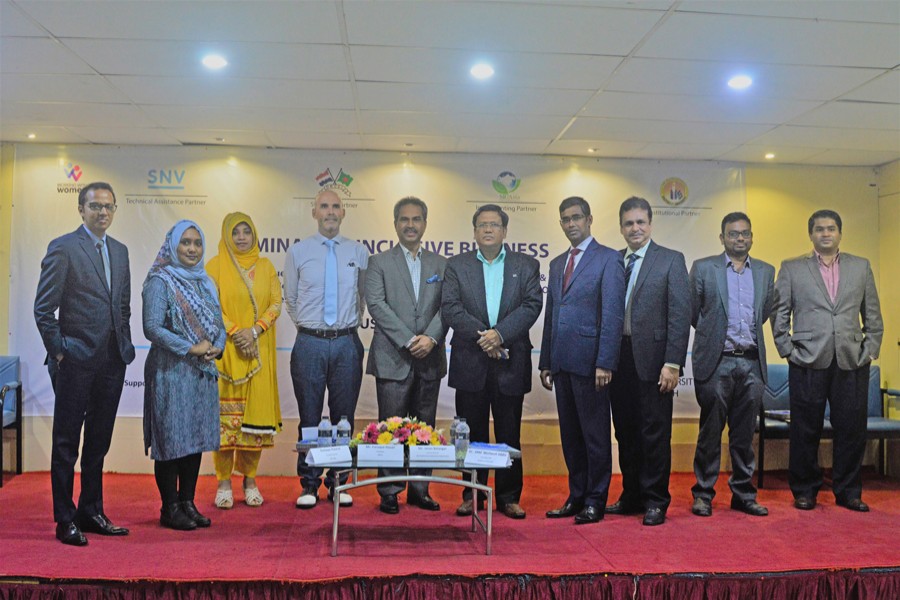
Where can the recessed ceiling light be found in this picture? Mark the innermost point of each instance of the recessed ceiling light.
(408, 144)
(740, 82)
(214, 61)
(220, 139)
(31, 136)
(482, 71)
(592, 150)
(770, 155)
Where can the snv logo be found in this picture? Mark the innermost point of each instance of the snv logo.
(165, 179)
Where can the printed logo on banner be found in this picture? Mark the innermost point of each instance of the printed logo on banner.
(73, 173)
(165, 179)
(673, 191)
(341, 182)
(506, 183)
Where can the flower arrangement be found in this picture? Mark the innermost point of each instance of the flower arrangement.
(400, 430)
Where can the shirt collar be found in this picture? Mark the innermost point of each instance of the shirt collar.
(322, 239)
(95, 239)
(728, 261)
(583, 246)
(641, 252)
(837, 258)
(500, 257)
(409, 254)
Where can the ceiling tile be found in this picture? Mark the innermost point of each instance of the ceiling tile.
(683, 151)
(324, 141)
(14, 23)
(884, 89)
(631, 130)
(871, 11)
(757, 154)
(231, 137)
(463, 125)
(499, 145)
(850, 114)
(602, 148)
(59, 88)
(38, 55)
(420, 143)
(852, 157)
(832, 138)
(73, 114)
(127, 136)
(10, 132)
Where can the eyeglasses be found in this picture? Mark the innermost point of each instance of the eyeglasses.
(573, 219)
(489, 225)
(97, 207)
(733, 235)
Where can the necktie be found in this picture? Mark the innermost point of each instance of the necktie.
(331, 284)
(629, 270)
(570, 266)
(104, 263)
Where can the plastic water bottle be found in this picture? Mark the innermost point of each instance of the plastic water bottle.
(343, 432)
(453, 427)
(462, 439)
(324, 432)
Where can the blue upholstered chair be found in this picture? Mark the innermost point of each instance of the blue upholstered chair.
(11, 405)
(776, 397)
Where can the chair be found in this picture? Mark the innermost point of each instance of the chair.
(11, 406)
(776, 397)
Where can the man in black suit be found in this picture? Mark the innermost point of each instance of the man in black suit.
(654, 347)
(86, 277)
(491, 298)
(732, 297)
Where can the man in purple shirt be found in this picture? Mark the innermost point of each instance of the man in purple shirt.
(732, 298)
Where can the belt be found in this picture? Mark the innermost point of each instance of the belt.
(751, 353)
(328, 334)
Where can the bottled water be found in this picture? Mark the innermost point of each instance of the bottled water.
(343, 432)
(462, 439)
(324, 432)
(453, 427)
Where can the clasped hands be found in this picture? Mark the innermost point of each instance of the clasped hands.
(491, 343)
(243, 340)
(205, 350)
(420, 346)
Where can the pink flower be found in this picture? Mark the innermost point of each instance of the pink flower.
(423, 436)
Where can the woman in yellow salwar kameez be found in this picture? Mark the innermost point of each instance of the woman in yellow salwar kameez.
(250, 413)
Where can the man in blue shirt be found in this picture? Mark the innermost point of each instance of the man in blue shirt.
(324, 277)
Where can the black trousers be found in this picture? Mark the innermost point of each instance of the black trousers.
(177, 479)
(87, 396)
(477, 408)
(847, 394)
(642, 417)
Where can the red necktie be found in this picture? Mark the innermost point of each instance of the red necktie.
(570, 266)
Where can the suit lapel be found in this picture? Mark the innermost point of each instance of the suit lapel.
(812, 263)
(475, 278)
(583, 264)
(650, 257)
(87, 245)
(759, 293)
(510, 279)
(722, 281)
(403, 271)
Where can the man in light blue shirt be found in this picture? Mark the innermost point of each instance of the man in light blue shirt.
(324, 277)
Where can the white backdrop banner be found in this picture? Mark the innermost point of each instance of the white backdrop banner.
(156, 186)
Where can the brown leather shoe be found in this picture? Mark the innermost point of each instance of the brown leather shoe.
(465, 509)
(513, 511)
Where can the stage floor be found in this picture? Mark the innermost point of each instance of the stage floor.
(277, 542)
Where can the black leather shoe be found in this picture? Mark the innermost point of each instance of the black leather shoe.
(702, 507)
(654, 516)
(70, 535)
(589, 514)
(173, 517)
(569, 509)
(99, 524)
(804, 503)
(190, 509)
(389, 504)
(751, 507)
(855, 504)
(426, 502)
(621, 508)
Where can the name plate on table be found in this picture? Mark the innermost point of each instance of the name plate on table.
(333, 455)
(432, 454)
(377, 455)
(480, 457)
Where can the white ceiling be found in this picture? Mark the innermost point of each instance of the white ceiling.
(641, 79)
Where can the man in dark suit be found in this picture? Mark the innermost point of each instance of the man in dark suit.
(579, 352)
(653, 350)
(86, 277)
(407, 357)
(828, 324)
(491, 298)
(732, 297)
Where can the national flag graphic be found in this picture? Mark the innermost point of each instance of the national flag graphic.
(344, 178)
(324, 178)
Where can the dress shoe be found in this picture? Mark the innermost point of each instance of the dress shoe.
(654, 516)
(346, 499)
(467, 507)
(855, 504)
(69, 534)
(389, 504)
(99, 524)
(804, 503)
(308, 498)
(190, 509)
(589, 514)
(751, 507)
(569, 509)
(426, 502)
(513, 511)
(622, 508)
(173, 517)
(702, 507)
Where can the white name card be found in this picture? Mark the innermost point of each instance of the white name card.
(479, 457)
(377, 455)
(332, 455)
(432, 454)
(310, 434)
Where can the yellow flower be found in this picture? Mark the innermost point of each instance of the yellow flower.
(411, 440)
(385, 438)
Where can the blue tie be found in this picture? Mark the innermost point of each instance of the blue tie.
(105, 264)
(331, 284)
(629, 270)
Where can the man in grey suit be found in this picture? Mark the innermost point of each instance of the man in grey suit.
(828, 325)
(491, 298)
(407, 357)
(86, 278)
(732, 299)
(653, 350)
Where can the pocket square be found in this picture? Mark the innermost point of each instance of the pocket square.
(433, 279)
